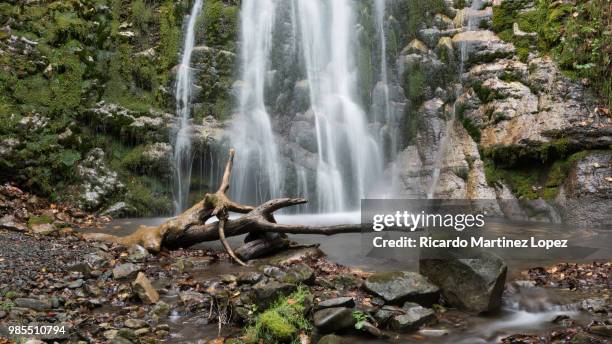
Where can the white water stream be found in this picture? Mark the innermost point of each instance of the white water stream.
(183, 156)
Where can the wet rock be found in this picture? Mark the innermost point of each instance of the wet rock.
(34, 304)
(125, 271)
(144, 289)
(414, 317)
(135, 323)
(81, 267)
(386, 312)
(142, 331)
(332, 339)
(482, 45)
(348, 302)
(594, 305)
(299, 273)
(274, 272)
(334, 319)
(9, 222)
(267, 292)
(601, 330)
(400, 286)
(191, 297)
(228, 278)
(76, 284)
(474, 285)
(161, 309)
(249, 277)
(124, 336)
(585, 195)
(293, 256)
(43, 229)
(137, 254)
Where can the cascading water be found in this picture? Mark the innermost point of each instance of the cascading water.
(444, 143)
(349, 159)
(382, 89)
(183, 156)
(258, 174)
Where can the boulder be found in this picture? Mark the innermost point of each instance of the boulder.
(334, 319)
(474, 285)
(400, 286)
(144, 289)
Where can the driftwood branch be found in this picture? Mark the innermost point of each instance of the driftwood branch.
(190, 227)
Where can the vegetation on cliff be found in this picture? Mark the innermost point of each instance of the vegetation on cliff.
(576, 34)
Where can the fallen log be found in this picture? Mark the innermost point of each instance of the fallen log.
(190, 227)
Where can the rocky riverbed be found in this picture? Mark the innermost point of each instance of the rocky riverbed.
(116, 294)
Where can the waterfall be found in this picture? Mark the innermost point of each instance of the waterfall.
(258, 174)
(183, 156)
(312, 43)
(349, 159)
(444, 143)
(391, 126)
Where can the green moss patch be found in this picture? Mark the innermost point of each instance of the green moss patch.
(283, 322)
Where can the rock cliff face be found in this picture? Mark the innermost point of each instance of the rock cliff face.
(520, 132)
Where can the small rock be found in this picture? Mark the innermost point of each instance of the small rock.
(189, 296)
(2, 314)
(144, 289)
(161, 309)
(33, 341)
(43, 228)
(414, 317)
(110, 334)
(126, 270)
(266, 293)
(135, 323)
(337, 302)
(81, 267)
(274, 272)
(299, 273)
(249, 277)
(76, 284)
(402, 286)
(387, 312)
(594, 305)
(34, 304)
(8, 222)
(334, 319)
(228, 278)
(137, 254)
(141, 331)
